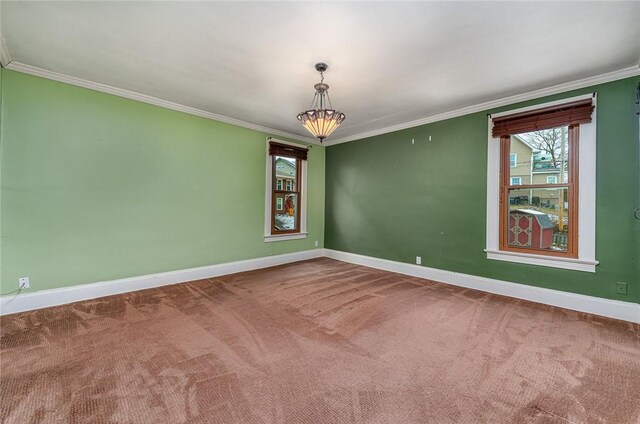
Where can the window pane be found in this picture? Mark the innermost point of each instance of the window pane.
(540, 155)
(285, 218)
(539, 219)
(286, 173)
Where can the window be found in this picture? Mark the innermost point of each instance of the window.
(535, 220)
(285, 216)
(513, 160)
(286, 219)
(538, 218)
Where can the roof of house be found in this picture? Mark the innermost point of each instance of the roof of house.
(523, 141)
(541, 217)
(290, 164)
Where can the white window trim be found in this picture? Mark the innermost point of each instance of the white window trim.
(513, 178)
(586, 260)
(280, 203)
(515, 160)
(268, 237)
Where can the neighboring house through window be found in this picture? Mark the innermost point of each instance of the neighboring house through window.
(285, 197)
(532, 217)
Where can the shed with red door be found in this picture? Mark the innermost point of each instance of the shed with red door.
(530, 229)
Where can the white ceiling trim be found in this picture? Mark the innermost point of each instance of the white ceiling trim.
(556, 89)
(44, 73)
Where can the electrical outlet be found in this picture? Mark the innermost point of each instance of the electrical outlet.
(23, 282)
(621, 288)
(316, 243)
(418, 260)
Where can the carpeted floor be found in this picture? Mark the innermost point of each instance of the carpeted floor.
(319, 341)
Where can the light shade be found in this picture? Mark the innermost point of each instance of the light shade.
(321, 122)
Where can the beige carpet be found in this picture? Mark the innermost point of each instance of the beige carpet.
(319, 341)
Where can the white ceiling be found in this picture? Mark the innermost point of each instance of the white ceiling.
(390, 62)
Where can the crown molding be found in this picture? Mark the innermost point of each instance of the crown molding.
(556, 89)
(55, 76)
(5, 57)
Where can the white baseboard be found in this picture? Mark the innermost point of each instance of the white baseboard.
(625, 311)
(54, 297)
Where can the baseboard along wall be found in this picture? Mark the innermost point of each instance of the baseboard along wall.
(61, 296)
(625, 311)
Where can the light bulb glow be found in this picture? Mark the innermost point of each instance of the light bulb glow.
(321, 122)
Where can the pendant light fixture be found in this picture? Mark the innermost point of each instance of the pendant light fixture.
(321, 120)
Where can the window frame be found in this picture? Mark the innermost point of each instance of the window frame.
(515, 160)
(506, 184)
(301, 219)
(292, 190)
(585, 259)
(514, 184)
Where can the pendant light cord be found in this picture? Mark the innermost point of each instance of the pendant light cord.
(329, 99)
(314, 102)
(318, 101)
(322, 93)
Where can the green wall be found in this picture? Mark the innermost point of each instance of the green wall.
(392, 199)
(1, 235)
(97, 187)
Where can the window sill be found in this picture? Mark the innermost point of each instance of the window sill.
(283, 237)
(549, 261)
